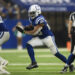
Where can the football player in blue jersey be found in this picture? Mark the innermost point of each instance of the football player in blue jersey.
(4, 36)
(39, 28)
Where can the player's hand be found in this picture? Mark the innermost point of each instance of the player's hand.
(69, 35)
(20, 28)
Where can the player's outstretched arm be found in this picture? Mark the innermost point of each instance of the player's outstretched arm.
(23, 29)
(30, 29)
(34, 30)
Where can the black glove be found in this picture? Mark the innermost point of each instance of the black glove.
(19, 29)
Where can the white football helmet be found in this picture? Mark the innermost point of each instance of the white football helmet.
(34, 11)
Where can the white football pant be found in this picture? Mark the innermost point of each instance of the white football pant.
(4, 37)
(48, 41)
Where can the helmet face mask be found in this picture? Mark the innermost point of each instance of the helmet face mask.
(32, 15)
(34, 11)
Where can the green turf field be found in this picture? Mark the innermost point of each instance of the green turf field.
(48, 64)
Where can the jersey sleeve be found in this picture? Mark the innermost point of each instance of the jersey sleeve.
(40, 20)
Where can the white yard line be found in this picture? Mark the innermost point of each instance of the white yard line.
(36, 50)
(41, 56)
(44, 64)
(20, 64)
(36, 71)
(23, 67)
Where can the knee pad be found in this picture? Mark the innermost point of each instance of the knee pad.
(53, 50)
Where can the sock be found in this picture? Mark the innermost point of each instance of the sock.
(61, 57)
(31, 53)
(70, 59)
(66, 65)
(20, 47)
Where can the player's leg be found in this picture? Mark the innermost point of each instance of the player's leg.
(70, 58)
(50, 43)
(69, 64)
(72, 55)
(19, 40)
(31, 53)
(3, 38)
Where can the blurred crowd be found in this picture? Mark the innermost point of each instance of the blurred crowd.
(58, 21)
(8, 10)
(11, 11)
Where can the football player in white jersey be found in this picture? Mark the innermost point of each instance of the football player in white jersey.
(4, 36)
(39, 28)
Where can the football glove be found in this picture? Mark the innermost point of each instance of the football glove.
(20, 29)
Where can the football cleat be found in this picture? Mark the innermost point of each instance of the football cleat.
(71, 68)
(3, 71)
(4, 63)
(64, 70)
(31, 66)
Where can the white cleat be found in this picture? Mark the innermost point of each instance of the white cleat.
(4, 63)
(3, 71)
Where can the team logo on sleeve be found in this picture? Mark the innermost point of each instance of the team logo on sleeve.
(39, 20)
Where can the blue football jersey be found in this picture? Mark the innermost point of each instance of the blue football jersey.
(45, 31)
(2, 26)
